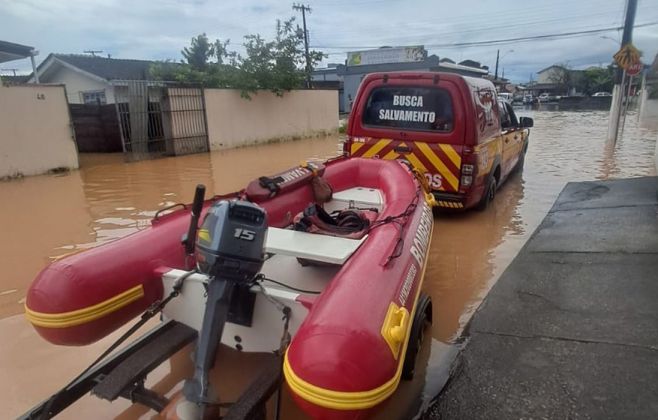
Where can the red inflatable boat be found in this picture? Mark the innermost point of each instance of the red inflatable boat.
(350, 271)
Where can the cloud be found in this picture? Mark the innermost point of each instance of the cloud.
(160, 29)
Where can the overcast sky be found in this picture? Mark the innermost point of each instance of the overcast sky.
(158, 29)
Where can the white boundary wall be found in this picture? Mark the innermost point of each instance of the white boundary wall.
(36, 135)
(234, 121)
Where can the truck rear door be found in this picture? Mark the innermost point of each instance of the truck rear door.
(416, 118)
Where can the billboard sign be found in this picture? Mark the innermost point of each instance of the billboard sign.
(386, 55)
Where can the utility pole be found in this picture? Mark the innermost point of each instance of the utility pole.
(304, 9)
(11, 70)
(497, 57)
(643, 97)
(620, 76)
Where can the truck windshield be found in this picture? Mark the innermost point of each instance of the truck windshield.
(410, 108)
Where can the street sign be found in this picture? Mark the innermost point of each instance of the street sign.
(634, 69)
(627, 56)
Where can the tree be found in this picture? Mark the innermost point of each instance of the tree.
(561, 76)
(199, 52)
(222, 54)
(277, 65)
(597, 79)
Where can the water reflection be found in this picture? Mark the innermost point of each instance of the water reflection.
(49, 216)
(463, 257)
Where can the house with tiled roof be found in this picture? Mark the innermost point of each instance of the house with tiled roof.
(91, 79)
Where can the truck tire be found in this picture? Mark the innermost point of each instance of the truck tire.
(422, 319)
(519, 165)
(489, 194)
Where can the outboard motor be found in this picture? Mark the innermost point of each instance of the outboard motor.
(230, 250)
(231, 240)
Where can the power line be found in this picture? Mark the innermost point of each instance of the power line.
(504, 40)
(519, 16)
(421, 30)
(425, 38)
(491, 24)
(537, 37)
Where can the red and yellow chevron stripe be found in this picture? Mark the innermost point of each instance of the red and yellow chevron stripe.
(450, 204)
(441, 159)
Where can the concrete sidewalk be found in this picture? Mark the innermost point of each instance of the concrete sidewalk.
(571, 328)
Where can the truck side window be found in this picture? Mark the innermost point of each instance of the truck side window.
(411, 108)
(505, 120)
(512, 116)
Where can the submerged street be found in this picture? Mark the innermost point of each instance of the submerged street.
(46, 217)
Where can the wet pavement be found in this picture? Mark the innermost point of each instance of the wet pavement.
(49, 216)
(571, 328)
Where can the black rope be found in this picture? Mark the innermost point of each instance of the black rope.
(261, 277)
(153, 310)
(397, 220)
(406, 213)
(399, 244)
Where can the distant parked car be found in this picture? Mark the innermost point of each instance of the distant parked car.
(544, 97)
(506, 97)
(547, 97)
(602, 94)
(528, 99)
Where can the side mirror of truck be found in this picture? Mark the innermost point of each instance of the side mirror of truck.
(526, 122)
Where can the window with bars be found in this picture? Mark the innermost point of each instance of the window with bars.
(94, 97)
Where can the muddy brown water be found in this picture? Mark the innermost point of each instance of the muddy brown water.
(45, 217)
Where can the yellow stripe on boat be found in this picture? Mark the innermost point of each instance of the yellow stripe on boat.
(354, 400)
(85, 315)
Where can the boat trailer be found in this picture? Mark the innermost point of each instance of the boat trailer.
(230, 265)
(123, 376)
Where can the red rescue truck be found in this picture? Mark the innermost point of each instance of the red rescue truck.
(450, 127)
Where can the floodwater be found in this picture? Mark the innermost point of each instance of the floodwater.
(45, 217)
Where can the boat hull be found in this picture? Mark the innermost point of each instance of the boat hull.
(347, 354)
(84, 297)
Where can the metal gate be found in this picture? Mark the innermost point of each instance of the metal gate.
(160, 119)
(96, 128)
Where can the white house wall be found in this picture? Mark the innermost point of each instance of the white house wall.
(549, 75)
(234, 121)
(76, 83)
(35, 131)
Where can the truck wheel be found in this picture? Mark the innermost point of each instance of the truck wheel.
(521, 162)
(489, 195)
(422, 319)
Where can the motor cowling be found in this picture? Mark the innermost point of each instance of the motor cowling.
(231, 240)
